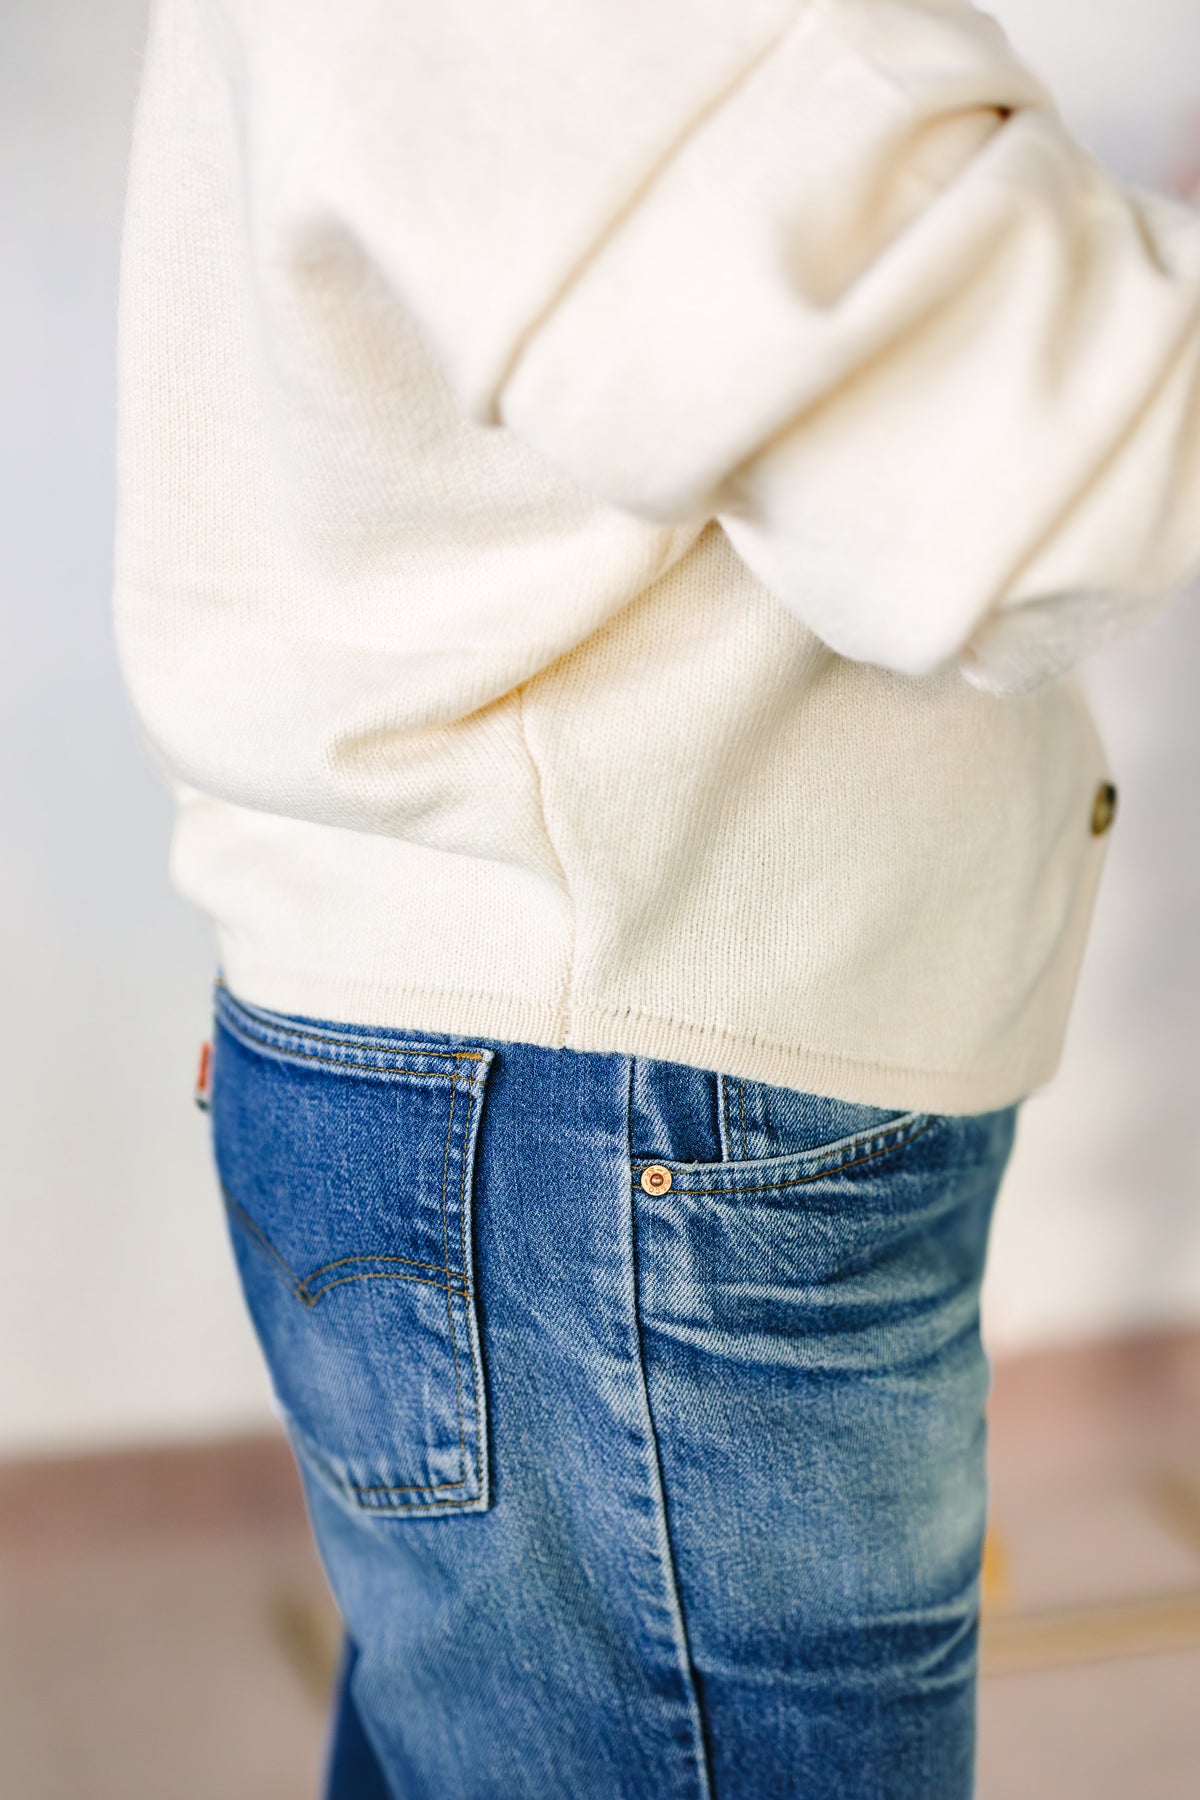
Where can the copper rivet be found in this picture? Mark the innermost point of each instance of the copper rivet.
(1104, 808)
(656, 1179)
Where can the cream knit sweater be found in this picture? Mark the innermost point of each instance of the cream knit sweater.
(610, 495)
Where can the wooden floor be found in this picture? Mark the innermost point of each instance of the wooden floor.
(165, 1633)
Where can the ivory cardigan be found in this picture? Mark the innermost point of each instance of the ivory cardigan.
(611, 498)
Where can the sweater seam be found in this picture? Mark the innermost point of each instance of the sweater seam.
(566, 1005)
(803, 1049)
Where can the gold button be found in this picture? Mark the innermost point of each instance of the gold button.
(1104, 808)
(656, 1179)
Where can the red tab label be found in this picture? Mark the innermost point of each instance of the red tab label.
(203, 1076)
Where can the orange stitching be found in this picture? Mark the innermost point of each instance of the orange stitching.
(300, 1284)
(309, 1297)
(286, 1029)
(742, 1092)
(427, 1506)
(367, 1257)
(431, 1487)
(462, 1191)
(462, 1440)
(462, 1247)
(477, 1421)
(866, 1136)
(800, 1180)
(340, 1062)
(302, 1294)
(313, 1295)
(410, 1487)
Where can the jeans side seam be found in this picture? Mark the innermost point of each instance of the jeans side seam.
(667, 1554)
(723, 1118)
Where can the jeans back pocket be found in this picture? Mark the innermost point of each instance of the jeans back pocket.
(346, 1159)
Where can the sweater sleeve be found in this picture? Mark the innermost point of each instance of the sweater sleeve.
(830, 271)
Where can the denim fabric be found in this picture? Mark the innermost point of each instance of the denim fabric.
(664, 1490)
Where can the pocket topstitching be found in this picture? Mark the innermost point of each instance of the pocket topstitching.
(347, 1164)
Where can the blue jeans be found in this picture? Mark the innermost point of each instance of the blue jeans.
(639, 1410)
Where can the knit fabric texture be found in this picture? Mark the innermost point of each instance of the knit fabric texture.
(611, 500)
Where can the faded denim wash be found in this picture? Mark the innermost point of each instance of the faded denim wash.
(627, 1489)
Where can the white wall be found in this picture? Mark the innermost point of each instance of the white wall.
(1098, 1228)
(121, 1320)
